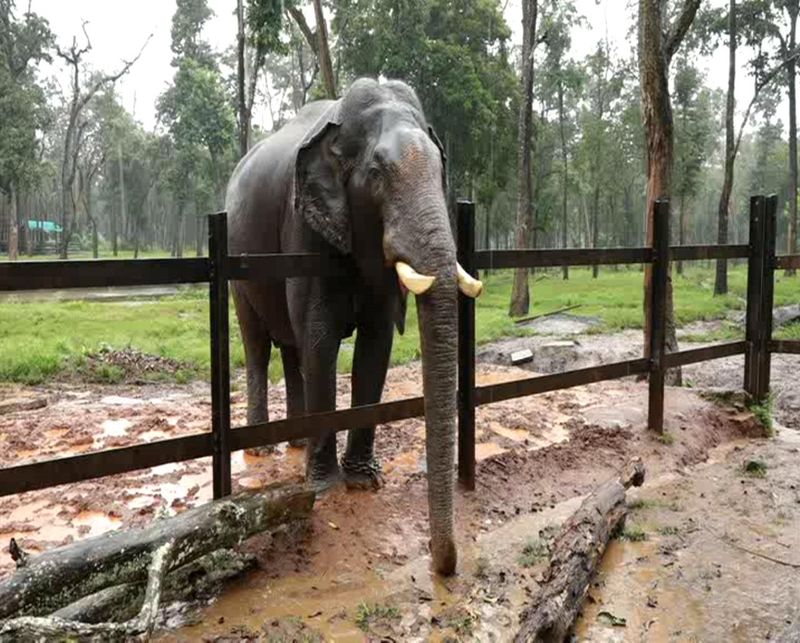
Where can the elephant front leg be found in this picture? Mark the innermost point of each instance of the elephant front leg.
(370, 361)
(319, 366)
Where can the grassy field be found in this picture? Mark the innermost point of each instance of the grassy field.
(39, 339)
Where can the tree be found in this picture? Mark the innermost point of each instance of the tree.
(75, 131)
(324, 51)
(659, 41)
(694, 138)
(776, 21)
(259, 23)
(567, 79)
(199, 118)
(455, 57)
(23, 43)
(603, 85)
(520, 294)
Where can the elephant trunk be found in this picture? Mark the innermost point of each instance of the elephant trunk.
(418, 241)
(438, 325)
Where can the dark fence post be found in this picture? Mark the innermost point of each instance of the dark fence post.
(466, 350)
(220, 359)
(755, 295)
(658, 314)
(770, 231)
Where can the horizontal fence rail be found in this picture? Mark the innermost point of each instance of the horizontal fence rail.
(787, 262)
(281, 266)
(691, 253)
(317, 424)
(790, 346)
(219, 268)
(87, 466)
(705, 354)
(560, 257)
(97, 273)
(556, 381)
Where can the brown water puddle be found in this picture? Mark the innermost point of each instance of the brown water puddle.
(628, 571)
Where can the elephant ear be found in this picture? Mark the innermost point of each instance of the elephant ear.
(319, 183)
(436, 140)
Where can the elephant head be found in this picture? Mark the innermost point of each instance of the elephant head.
(370, 179)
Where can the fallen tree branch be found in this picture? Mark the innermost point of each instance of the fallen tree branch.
(38, 627)
(196, 580)
(752, 552)
(575, 554)
(522, 320)
(57, 578)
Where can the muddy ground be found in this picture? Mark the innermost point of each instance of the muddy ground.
(360, 569)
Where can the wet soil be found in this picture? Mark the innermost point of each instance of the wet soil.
(360, 571)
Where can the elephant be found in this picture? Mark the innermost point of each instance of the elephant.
(360, 179)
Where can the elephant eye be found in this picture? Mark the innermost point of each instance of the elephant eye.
(375, 174)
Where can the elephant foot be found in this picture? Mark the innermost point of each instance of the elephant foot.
(322, 478)
(261, 452)
(362, 475)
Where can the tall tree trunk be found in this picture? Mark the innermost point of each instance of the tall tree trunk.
(790, 71)
(113, 213)
(721, 280)
(681, 226)
(244, 113)
(520, 296)
(596, 226)
(179, 233)
(92, 221)
(656, 48)
(121, 194)
(323, 51)
(565, 170)
(13, 225)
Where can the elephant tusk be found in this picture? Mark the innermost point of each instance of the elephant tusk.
(412, 280)
(467, 284)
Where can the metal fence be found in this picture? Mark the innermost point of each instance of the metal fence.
(219, 268)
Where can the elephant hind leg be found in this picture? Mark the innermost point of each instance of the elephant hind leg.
(295, 395)
(257, 346)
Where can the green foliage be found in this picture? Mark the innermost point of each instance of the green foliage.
(633, 533)
(455, 55)
(532, 552)
(23, 110)
(755, 468)
(666, 438)
(264, 23)
(187, 24)
(368, 613)
(763, 414)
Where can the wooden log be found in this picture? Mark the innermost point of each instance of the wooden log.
(61, 576)
(198, 579)
(575, 554)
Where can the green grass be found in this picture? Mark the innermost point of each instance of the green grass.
(368, 613)
(633, 533)
(666, 438)
(532, 552)
(755, 468)
(763, 414)
(40, 338)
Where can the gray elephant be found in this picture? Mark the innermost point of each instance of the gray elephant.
(360, 178)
